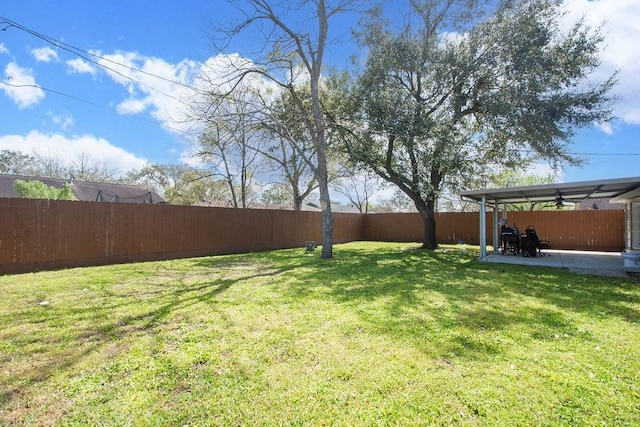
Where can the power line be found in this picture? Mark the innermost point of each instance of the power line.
(88, 56)
(100, 106)
(84, 53)
(606, 154)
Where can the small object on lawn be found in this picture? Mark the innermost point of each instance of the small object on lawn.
(44, 303)
(310, 245)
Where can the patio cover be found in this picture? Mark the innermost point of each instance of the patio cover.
(568, 191)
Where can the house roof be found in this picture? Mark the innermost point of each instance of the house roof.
(569, 191)
(86, 191)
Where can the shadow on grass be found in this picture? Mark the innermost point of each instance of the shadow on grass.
(442, 302)
(51, 350)
(416, 293)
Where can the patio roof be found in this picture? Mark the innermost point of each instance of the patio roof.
(562, 192)
(569, 191)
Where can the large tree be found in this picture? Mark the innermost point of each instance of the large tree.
(515, 178)
(295, 37)
(453, 95)
(16, 163)
(180, 184)
(287, 145)
(225, 146)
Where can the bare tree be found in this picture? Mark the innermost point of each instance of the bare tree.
(50, 166)
(16, 163)
(181, 184)
(287, 146)
(358, 189)
(294, 51)
(226, 145)
(299, 177)
(83, 168)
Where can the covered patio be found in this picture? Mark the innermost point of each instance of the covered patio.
(608, 263)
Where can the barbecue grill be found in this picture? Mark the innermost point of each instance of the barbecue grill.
(510, 239)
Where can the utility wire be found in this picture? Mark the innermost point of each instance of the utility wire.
(606, 154)
(101, 106)
(89, 57)
(81, 53)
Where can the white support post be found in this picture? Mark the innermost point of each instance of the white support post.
(483, 229)
(496, 230)
(628, 228)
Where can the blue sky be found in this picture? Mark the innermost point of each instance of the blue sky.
(125, 118)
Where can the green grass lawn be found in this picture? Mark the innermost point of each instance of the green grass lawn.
(383, 334)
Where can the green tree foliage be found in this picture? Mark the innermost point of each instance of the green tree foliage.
(451, 97)
(295, 37)
(39, 190)
(226, 144)
(16, 163)
(278, 193)
(182, 184)
(515, 178)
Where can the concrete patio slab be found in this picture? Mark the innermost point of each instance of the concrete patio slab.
(585, 262)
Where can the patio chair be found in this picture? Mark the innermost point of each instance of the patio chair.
(531, 244)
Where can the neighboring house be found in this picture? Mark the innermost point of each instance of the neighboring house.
(87, 191)
(601, 204)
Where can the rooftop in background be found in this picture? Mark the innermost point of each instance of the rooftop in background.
(568, 191)
(86, 191)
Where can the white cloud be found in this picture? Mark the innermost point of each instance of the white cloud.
(78, 66)
(95, 149)
(620, 51)
(605, 128)
(119, 65)
(65, 121)
(544, 169)
(132, 106)
(3, 48)
(21, 87)
(44, 54)
(168, 91)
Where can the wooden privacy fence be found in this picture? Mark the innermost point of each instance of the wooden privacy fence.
(46, 234)
(594, 230)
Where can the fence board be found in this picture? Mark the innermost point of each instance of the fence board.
(45, 234)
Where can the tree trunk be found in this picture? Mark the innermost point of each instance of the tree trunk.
(325, 205)
(322, 174)
(427, 213)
